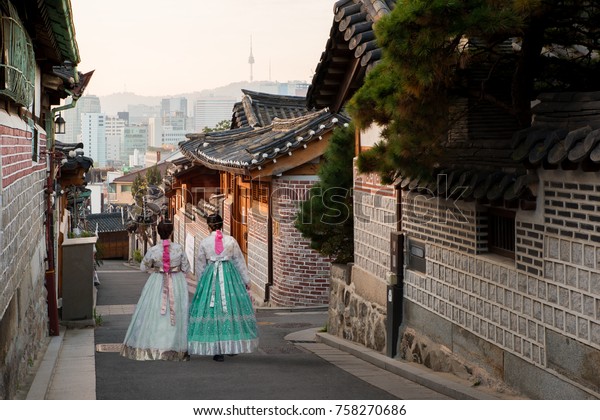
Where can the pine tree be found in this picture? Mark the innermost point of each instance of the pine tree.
(326, 217)
(153, 176)
(428, 48)
(221, 126)
(139, 188)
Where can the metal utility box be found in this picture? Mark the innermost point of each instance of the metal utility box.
(78, 279)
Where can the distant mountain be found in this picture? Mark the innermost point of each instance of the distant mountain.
(117, 102)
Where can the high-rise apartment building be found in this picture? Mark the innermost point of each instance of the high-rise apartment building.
(173, 113)
(174, 106)
(88, 104)
(115, 127)
(155, 131)
(139, 114)
(93, 137)
(210, 111)
(135, 137)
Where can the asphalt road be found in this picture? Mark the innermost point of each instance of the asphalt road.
(279, 370)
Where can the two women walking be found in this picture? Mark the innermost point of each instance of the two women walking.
(220, 320)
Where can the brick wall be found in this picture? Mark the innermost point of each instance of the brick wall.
(258, 252)
(185, 226)
(23, 309)
(443, 222)
(570, 286)
(541, 306)
(300, 274)
(374, 220)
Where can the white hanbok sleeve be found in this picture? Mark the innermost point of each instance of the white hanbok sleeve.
(147, 262)
(240, 262)
(201, 260)
(185, 263)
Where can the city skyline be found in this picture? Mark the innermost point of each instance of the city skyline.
(207, 46)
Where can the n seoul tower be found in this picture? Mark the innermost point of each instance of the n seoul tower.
(251, 58)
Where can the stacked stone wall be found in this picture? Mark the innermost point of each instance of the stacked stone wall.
(352, 316)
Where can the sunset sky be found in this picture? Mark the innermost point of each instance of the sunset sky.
(152, 47)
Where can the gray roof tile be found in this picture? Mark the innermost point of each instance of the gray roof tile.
(246, 148)
(258, 109)
(107, 222)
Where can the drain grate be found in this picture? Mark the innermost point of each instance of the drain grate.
(109, 347)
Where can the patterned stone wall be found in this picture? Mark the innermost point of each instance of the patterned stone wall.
(357, 310)
(300, 274)
(258, 253)
(374, 220)
(543, 307)
(570, 286)
(23, 309)
(444, 222)
(185, 226)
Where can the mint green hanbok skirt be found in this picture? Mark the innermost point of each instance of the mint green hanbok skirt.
(158, 327)
(222, 319)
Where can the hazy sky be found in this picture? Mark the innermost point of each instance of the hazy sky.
(152, 47)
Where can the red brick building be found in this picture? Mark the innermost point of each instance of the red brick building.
(262, 169)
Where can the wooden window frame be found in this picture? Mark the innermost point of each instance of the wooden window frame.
(501, 232)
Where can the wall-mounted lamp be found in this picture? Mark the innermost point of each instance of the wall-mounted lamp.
(59, 125)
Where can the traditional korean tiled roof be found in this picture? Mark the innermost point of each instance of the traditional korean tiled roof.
(258, 109)
(55, 31)
(130, 177)
(243, 149)
(350, 52)
(565, 134)
(72, 157)
(501, 187)
(106, 222)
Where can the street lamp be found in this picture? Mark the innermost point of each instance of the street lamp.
(59, 125)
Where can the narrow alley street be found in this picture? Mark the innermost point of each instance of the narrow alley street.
(292, 369)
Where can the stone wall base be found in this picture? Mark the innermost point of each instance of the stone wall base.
(351, 316)
(436, 343)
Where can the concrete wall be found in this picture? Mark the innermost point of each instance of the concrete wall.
(23, 309)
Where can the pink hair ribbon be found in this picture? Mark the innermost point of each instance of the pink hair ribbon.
(218, 242)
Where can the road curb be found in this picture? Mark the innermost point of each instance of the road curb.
(322, 308)
(45, 371)
(418, 374)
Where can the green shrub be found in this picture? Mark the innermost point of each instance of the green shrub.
(137, 256)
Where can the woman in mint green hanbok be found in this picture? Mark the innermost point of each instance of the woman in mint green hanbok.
(159, 326)
(222, 319)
